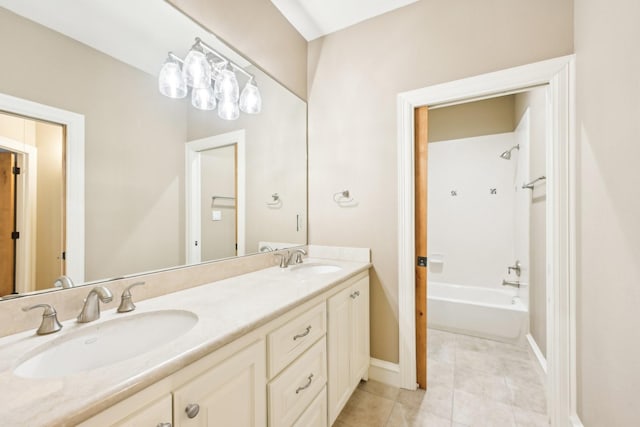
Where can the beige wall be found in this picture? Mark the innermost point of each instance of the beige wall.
(134, 146)
(535, 101)
(275, 162)
(50, 204)
(607, 41)
(258, 30)
(354, 78)
(218, 178)
(487, 117)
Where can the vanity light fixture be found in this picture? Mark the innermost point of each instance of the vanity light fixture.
(213, 81)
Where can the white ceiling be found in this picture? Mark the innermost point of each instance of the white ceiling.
(139, 33)
(316, 18)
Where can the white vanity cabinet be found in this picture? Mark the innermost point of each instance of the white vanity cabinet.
(229, 394)
(209, 392)
(348, 343)
(297, 370)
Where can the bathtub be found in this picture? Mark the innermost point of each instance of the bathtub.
(496, 314)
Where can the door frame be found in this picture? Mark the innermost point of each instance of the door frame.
(558, 75)
(26, 205)
(193, 188)
(74, 163)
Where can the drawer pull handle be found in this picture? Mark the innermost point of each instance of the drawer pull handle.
(164, 425)
(304, 334)
(355, 295)
(306, 386)
(192, 410)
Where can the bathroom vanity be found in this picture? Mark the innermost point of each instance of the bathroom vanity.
(277, 347)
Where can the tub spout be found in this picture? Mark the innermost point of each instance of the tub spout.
(515, 284)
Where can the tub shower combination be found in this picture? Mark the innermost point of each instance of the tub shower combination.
(497, 314)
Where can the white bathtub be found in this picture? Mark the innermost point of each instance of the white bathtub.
(483, 312)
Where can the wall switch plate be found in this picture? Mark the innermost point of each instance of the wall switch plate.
(216, 215)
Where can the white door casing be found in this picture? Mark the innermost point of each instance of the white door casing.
(193, 187)
(74, 162)
(558, 76)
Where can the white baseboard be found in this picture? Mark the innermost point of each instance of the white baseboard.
(384, 372)
(575, 421)
(537, 353)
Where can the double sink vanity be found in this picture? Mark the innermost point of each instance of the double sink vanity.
(277, 346)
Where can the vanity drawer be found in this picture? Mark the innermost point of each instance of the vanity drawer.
(316, 413)
(291, 340)
(297, 386)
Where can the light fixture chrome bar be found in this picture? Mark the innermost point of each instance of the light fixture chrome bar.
(219, 55)
(531, 184)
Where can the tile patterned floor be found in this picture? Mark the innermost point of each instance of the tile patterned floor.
(471, 382)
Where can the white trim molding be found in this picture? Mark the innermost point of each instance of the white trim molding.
(385, 372)
(74, 128)
(192, 190)
(557, 76)
(533, 345)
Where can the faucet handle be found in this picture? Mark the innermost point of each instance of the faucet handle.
(49, 322)
(126, 304)
(284, 258)
(299, 253)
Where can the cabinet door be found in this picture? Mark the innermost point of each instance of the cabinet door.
(316, 414)
(137, 410)
(338, 351)
(155, 414)
(231, 394)
(360, 330)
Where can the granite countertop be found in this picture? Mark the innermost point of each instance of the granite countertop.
(226, 310)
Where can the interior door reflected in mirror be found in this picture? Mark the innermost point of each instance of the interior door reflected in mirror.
(126, 198)
(32, 182)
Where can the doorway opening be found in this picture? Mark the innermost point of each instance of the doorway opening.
(485, 244)
(215, 192)
(557, 75)
(33, 214)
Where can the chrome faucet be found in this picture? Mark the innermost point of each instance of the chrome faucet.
(91, 309)
(285, 258)
(64, 282)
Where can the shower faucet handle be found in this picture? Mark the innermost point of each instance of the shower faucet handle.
(516, 268)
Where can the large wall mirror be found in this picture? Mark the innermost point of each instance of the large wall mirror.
(104, 177)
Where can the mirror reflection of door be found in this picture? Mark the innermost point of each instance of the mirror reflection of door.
(218, 179)
(7, 223)
(36, 204)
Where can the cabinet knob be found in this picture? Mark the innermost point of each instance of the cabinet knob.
(164, 425)
(192, 410)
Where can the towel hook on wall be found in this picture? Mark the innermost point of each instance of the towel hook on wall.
(276, 201)
(343, 198)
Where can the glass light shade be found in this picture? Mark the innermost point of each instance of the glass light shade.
(203, 99)
(216, 68)
(227, 86)
(228, 109)
(170, 81)
(196, 69)
(250, 99)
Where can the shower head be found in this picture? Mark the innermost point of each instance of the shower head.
(507, 154)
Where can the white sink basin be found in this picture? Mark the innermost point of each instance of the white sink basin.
(106, 343)
(316, 268)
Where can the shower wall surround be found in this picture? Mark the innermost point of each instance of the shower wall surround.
(471, 210)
